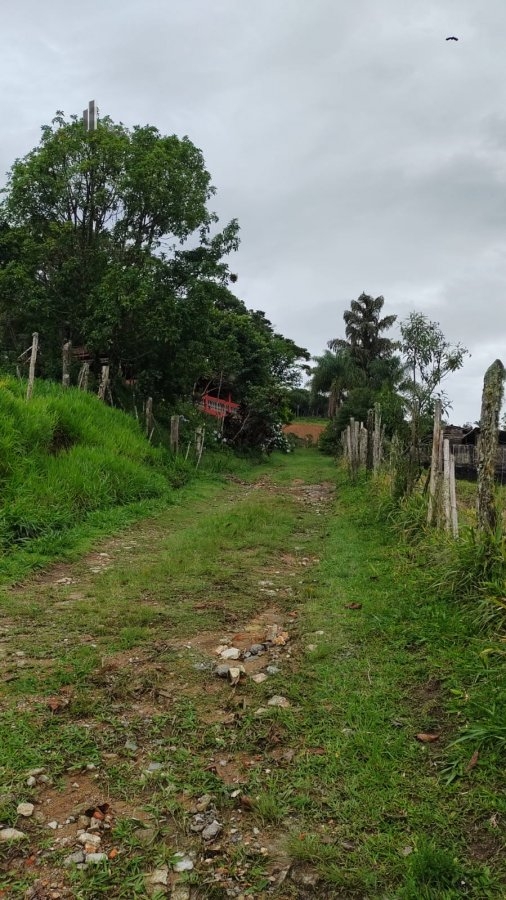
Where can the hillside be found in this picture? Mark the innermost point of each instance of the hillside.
(65, 455)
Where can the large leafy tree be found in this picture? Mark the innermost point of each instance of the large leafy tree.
(107, 239)
(107, 236)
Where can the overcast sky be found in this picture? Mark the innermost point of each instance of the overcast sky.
(358, 148)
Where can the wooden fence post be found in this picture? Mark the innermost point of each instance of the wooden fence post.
(493, 386)
(344, 442)
(369, 458)
(174, 434)
(362, 446)
(199, 443)
(378, 438)
(348, 444)
(354, 446)
(453, 498)
(82, 380)
(446, 484)
(150, 422)
(33, 360)
(434, 465)
(67, 347)
(104, 383)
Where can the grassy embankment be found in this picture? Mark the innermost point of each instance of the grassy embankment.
(72, 468)
(337, 784)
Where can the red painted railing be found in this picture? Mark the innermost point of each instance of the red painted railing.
(217, 406)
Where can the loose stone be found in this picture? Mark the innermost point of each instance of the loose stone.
(160, 876)
(280, 701)
(221, 671)
(231, 653)
(183, 863)
(211, 831)
(11, 834)
(25, 809)
(75, 858)
(92, 840)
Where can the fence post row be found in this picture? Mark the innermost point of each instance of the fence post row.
(363, 446)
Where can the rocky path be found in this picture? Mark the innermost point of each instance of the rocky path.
(145, 703)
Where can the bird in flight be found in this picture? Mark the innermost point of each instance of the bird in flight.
(452, 38)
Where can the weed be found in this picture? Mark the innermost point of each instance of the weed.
(432, 870)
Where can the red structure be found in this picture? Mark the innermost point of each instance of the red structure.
(217, 406)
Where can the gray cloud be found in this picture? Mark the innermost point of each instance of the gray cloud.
(358, 149)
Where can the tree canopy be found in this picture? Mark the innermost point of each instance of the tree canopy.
(108, 240)
(364, 329)
(361, 369)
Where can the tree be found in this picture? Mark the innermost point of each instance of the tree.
(107, 240)
(362, 370)
(429, 359)
(303, 402)
(113, 234)
(334, 375)
(364, 333)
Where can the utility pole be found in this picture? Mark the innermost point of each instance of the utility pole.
(90, 116)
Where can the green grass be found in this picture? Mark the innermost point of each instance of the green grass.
(337, 782)
(310, 420)
(72, 469)
(64, 455)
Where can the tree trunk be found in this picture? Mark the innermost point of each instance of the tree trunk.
(493, 386)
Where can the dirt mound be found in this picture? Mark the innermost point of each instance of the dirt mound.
(304, 431)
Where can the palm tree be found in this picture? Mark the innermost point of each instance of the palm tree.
(334, 374)
(363, 331)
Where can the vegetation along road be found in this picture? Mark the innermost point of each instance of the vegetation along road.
(250, 694)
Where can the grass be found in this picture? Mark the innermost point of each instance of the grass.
(337, 784)
(72, 469)
(310, 420)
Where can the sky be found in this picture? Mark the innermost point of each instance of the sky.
(359, 150)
